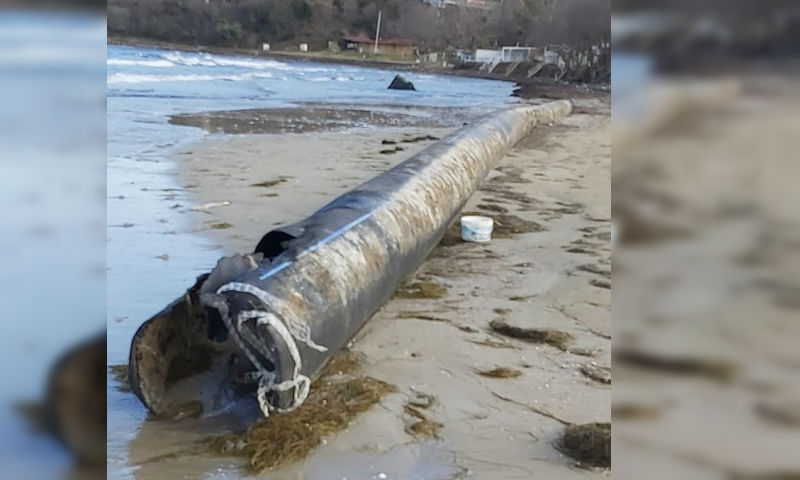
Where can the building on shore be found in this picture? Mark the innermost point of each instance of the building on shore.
(510, 54)
(395, 47)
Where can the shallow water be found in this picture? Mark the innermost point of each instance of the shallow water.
(152, 253)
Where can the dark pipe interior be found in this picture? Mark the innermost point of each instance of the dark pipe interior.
(273, 244)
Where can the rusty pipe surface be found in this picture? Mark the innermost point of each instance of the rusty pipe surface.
(267, 322)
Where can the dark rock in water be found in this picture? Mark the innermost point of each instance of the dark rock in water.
(400, 83)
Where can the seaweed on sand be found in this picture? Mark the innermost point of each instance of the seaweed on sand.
(500, 372)
(424, 428)
(597, 373)
(554, 338)
(589, 443)
(420, 425)
(507, 225)
(220, 225)
(420, 289)
(272, 183)
(336, 398)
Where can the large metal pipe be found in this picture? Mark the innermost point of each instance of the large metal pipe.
(266, 323)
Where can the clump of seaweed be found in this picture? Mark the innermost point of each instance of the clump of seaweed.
(220, 225)
(506, 225)
(421, 289)
(581, 250)
(589, 444)
(521, 298)
(336, 398)
(387, 151)
(492, 208)
(424, 428)
(421, 425)
(344, 362)
(120, 374)
(550, 337)
(596, 373)
(500, 372)
(420, 138)
(271, 183)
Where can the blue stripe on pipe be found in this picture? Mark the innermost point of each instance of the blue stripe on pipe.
(318, 245)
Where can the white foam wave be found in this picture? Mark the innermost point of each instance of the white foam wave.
(248, 63)
(145, 78)
(208, 60)
(189, 60)
(141, 63)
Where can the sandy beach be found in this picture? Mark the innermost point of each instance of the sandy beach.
(547, 267)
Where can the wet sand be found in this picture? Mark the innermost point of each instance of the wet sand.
(319, 117)
(547, 268)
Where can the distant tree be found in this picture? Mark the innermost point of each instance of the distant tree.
(302, 10)
(229, 32)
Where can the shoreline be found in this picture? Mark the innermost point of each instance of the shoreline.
(525, 88)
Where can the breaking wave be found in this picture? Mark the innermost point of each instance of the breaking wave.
(208, 60)
(140, 63)
(147, 78)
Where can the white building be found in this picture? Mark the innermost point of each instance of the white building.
(483, 55)
(509, 54)
(519, 54)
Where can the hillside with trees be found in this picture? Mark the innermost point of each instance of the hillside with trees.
(249, 23)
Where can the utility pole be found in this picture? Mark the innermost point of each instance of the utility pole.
(377, 32)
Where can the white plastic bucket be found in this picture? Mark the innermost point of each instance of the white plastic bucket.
(476, 229)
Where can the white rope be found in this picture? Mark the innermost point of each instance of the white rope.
(299, 329)
(266, 380)
(288, 331)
